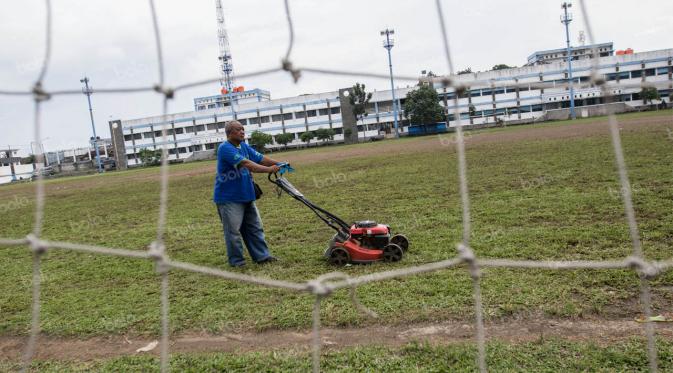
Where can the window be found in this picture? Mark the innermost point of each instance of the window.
(335, 110)
(287, 116)
(128, 137)
(276, 118)
(610, 77)
(525, 109)
(189, 129)
(510, 90)
(649, 72)
(222, 124)
(537, 107)
(465, 116)
(624, 75)
(450, 96)
(157, 133)
(299, 114)
(499, 91)
(662, 71)
(264, 119)
(147, 135)
(500, 111)
(212, 126)
(254, 120)
(211, 106)
(322, 112)
(179, 131)
(200, 128)
(486, 92)
(524, 88)
(475, 93)
(311, 113)
(243, 122)
(636, 74)
(201, 107)
(488, 113)
(182, 150)
(513, 110)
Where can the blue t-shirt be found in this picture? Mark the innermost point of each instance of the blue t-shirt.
(233, 183)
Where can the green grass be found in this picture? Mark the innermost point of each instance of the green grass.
(539, 356)
(534, 199)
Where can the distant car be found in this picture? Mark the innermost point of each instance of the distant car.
(44, 171)
(107, 163)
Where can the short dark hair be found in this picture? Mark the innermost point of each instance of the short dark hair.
(229, 125)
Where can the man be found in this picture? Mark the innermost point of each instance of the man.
(234, 196)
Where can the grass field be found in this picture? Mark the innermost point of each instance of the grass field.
(548, 191)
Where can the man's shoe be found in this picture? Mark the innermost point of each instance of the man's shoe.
(238, 265)
(268, 259)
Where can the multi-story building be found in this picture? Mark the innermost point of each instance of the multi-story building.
(501, 95)
(577, 53)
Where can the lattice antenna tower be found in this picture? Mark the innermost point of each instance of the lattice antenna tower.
(226, 65)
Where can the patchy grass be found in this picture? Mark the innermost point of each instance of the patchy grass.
(546, 198)
(553, 355)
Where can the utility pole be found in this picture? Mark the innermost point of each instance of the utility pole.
(566, 18)
(88, 91)
(388, 43)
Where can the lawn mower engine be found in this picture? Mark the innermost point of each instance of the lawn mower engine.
(360, 242)
(366, 242)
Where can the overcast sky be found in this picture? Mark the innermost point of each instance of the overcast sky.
(112, 43)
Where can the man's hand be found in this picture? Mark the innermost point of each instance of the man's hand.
(275, 168)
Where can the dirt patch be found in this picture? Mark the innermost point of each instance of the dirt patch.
(601, 332)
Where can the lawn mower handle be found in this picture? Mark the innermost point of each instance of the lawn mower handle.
(327, 217)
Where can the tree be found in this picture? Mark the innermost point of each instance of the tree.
(325, 134)
(422, 106)
(649, 94)
(307, 137)
(359, 99)
(501, 66)
(284, 138)
(259, 140)
(472, 109)
(149, 157)
(466, 71)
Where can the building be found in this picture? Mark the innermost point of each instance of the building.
(509, 95)
(577, 53)
(11, 168)
(220, 101)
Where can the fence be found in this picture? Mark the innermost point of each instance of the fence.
(324, 285)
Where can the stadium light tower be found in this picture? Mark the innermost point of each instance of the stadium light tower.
(88, 91)
(566, 18)
(388, 43)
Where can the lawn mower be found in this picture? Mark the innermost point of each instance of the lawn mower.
(361, 242)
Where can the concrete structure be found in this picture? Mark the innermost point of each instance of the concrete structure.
(220, 101)
(496, 96)
(577, 54)
(11, 168)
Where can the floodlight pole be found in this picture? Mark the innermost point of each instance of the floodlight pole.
(388, 44)
(87, 91)
(566, 18)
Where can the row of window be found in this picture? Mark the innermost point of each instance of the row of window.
(289, 116)
(637, 73)
(249, 121)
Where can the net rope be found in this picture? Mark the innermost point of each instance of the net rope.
(324, 285)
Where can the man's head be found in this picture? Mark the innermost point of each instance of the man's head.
(235, 132)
